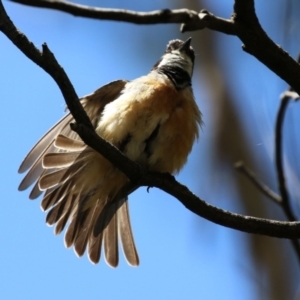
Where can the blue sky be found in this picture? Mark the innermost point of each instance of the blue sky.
(182, 256)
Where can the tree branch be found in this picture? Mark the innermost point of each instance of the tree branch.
(154, 17)
(217, 215)
(279, 158)
(190, 20)
(257, 43)
(243, 23)
(166, 182)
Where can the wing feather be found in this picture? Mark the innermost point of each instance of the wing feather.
(58, 210)
(73, 227)
(58, 163)
(59, 160)
(60, 225)
(35, 171)
(60, 176)
(66, 143)
(36, 191)
(54, 196)
(44, 143)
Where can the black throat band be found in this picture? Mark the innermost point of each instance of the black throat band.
(177, 75)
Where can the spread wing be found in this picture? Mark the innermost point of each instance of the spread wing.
(56, 164)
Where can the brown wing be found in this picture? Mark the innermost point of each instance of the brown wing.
(56, 163)
(93, 105)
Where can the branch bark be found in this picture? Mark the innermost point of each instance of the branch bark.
(122, 15)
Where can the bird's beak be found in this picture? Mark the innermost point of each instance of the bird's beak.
(186, 45)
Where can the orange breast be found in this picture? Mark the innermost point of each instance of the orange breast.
(178, 133)
(148, 103)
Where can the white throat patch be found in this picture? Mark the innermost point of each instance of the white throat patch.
(178, 59)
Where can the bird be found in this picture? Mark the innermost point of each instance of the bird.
(153, 120)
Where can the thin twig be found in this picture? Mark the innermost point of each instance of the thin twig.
(261, 186)
(112, 14)
(165, 182)
(189, 19)
(279, 158)
(279, 161)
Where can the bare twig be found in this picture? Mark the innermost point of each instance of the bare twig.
(212, 213)
(285, 203)
(279, 158)
(261, 186)
(208, 20)
(190, 19)
(122, 15)
(166, 182)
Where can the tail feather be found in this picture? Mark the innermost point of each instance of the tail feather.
(94, 247)
(111, 241)
(81, 242)
(78, 219)
(126, 235)
(87, 223)
(71, 232)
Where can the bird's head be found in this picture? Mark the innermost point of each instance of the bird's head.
(178, 57)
